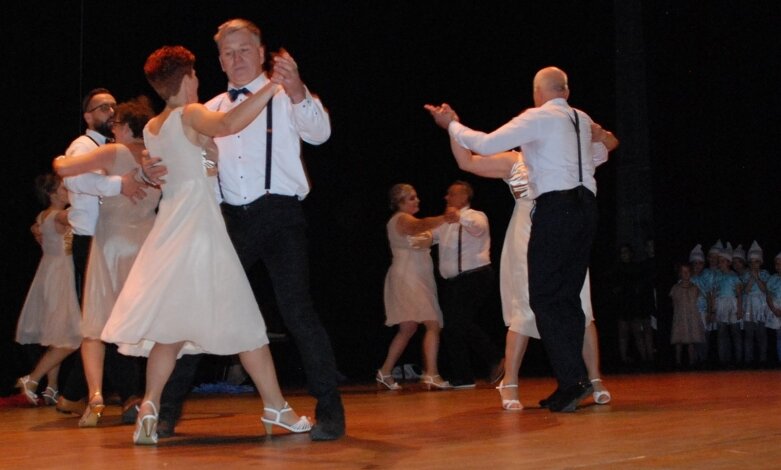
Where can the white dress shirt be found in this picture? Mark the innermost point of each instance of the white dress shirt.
(549, 143)
(242, 158)
(85, 190)
(475, 243)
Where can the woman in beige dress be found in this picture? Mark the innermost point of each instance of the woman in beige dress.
(122, 227)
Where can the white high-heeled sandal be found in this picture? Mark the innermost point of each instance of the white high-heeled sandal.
(601, 397)
(509, 405)
(386, 380)
(28, 392)
(50, 396)
(146, 426)
(430, 381)
(302, 425)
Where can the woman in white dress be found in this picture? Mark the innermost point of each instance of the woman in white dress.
(187, 292)
(410, 290)
(122, 227)
(513, 274)
(50, 315)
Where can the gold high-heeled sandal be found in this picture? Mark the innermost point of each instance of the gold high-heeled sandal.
(302, 425)
(386, 380)
(94, 411)
(28, 387)
(146, 426)
(435, 381)
(512, 404)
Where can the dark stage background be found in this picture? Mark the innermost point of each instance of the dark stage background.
(713, 123)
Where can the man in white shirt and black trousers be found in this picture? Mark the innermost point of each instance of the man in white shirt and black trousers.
(557, 145)
(465, 266)
(262, 182)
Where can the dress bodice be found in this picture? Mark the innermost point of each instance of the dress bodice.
(519, 179)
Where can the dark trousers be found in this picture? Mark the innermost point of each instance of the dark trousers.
(272, 229)
(463, 297)
(563, 228)
(75, 384)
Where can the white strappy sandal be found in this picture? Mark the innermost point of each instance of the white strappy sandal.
(601, 397)
(509, 405)
(302, 425)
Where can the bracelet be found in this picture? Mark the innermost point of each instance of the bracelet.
(141, 177)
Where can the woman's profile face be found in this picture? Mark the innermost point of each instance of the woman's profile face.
(410, 204)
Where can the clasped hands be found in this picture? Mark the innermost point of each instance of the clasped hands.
(451, 215)
(285, 73)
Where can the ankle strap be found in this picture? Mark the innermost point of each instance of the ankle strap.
(152, 404)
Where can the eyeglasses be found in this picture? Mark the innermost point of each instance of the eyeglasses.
(105, 107)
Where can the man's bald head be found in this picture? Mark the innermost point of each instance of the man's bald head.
(550, 83)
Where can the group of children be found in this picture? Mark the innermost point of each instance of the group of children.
(733, 299)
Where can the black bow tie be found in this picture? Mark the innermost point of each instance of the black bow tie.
(234, 93)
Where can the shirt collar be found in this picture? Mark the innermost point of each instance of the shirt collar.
(254, 85)
(557, 102)
(96, 136)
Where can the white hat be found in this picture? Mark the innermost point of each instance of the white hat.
(755, 252)
(696, 254)
(726, 252)
(716, 248)
(739, 253)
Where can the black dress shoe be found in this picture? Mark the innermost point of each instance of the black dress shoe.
(462, 384)
(545, 402)
(569, 398)
(327, 430)
(165, 427)
(166, 421)
(329, 417)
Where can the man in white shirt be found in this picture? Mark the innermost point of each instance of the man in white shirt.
(465, 266)
(262, 182)
(556, 142)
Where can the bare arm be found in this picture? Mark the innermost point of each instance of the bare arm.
(217, 124)
(102, 158)
(604, 136)
(61, 223)
(498, 165)
(411, 225)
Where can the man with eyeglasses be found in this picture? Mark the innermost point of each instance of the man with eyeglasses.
(84, 193)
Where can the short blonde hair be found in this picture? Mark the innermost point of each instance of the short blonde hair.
(237, 24)
(398, 193)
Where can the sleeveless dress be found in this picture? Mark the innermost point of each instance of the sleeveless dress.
(51, 314)
(187, 283)
(513, 269)
(410, 290)
(121, 230)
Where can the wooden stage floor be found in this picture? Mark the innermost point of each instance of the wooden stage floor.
(677, 420)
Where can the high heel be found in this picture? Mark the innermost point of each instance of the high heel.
(146, 426)
(94, 411)
(435, 381)
(28, 387)
(512, 404)
(386, 380)
(50, 396)
(601, 397)
(302, 425)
